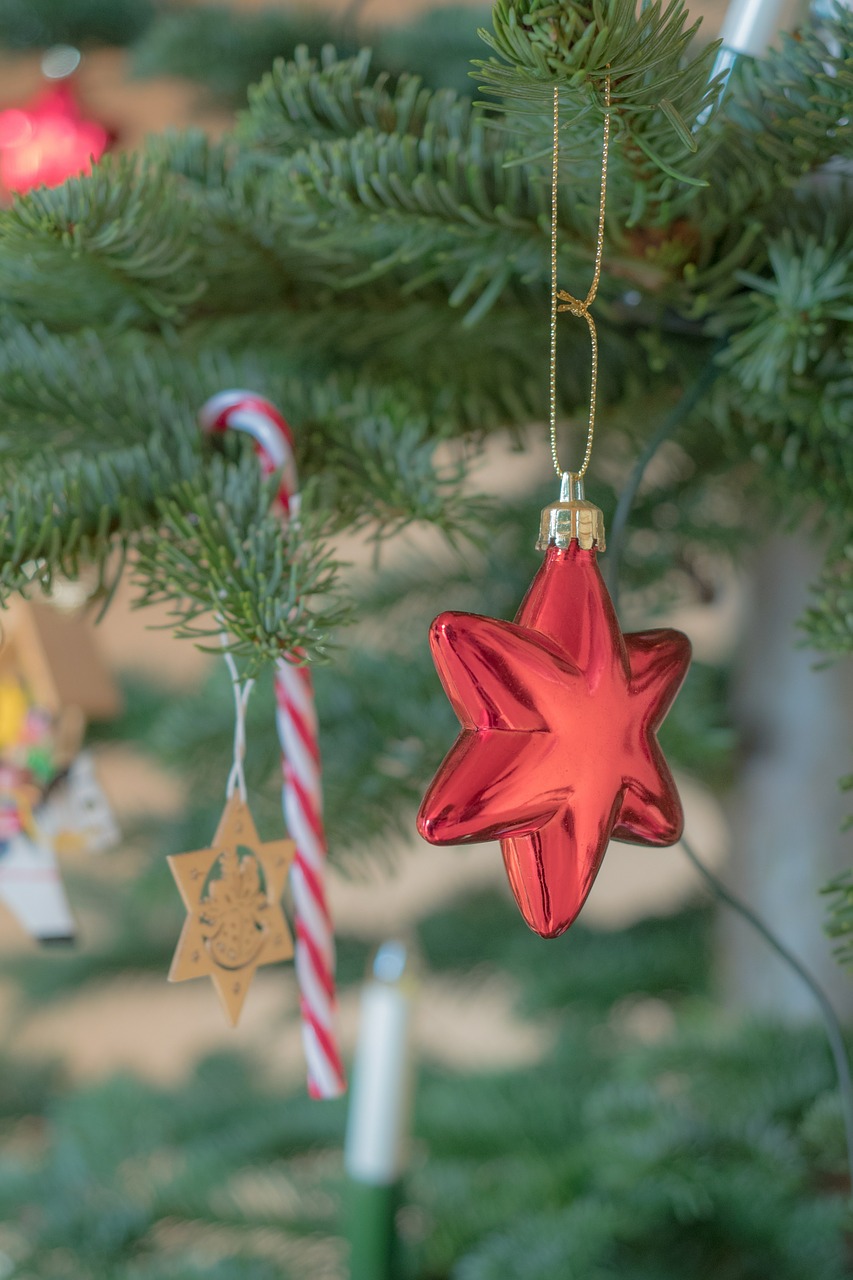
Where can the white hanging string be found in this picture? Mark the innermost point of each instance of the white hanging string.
(237, 777)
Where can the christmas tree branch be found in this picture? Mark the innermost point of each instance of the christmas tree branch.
(828, 624)
(657, 94)
(126, 233)
(373, 256)
(307, 100)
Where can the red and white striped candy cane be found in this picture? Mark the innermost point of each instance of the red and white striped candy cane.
(296, 719)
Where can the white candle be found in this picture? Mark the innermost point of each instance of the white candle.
(750, 25)
(378, 1125)
(748, 29)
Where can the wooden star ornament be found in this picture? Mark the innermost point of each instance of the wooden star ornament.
(235, 921)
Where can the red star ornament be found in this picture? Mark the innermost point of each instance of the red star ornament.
(558, 751)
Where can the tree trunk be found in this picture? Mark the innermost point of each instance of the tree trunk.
(788, 810)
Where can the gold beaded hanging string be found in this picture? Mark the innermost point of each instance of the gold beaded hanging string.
(577, 306)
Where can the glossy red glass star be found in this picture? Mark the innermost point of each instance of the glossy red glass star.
(558, 750)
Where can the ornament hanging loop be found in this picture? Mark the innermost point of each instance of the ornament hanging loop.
(563, 301)
(242, 692)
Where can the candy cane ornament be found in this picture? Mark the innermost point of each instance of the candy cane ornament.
(296, 721)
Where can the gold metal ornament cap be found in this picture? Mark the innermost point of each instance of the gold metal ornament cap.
(572, 519)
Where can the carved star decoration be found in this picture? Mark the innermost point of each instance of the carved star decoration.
(235, 921)
(558, 750)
